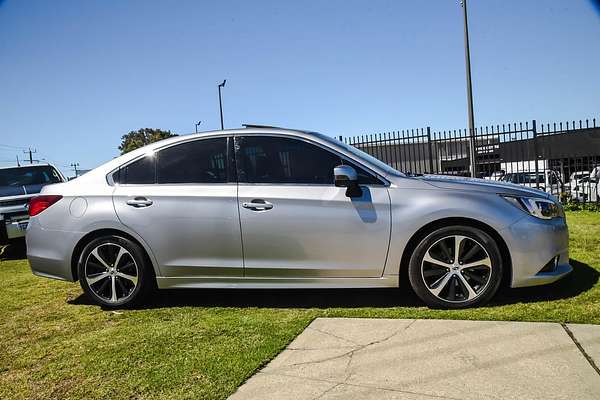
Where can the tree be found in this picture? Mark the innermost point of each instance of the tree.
(136, 139)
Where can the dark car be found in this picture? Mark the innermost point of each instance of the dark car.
(17, 186)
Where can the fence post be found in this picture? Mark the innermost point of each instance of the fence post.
(535, 154)
(430, 151)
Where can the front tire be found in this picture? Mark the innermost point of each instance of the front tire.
(456, 267)
(113, 272)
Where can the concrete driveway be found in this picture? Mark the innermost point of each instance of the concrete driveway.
(354, 358)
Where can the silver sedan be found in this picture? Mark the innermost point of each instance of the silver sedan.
(266, 207)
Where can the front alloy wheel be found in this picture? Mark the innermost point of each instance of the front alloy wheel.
(456, 267)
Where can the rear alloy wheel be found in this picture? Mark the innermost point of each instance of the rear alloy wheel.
(456, 267)
(112, 271)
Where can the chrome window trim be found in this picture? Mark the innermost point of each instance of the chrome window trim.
(111, 182)
(386, 183)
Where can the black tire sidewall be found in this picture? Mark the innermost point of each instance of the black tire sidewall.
(490, 245)
(144, 274)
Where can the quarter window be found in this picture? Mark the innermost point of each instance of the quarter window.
(141, 171)
(199, 161)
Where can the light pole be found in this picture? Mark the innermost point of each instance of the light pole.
(471, 118)
(220, 102)
(198, 124)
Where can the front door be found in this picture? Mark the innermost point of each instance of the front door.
(296, 223)
(182, 201)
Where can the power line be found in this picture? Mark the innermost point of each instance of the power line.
(13, 147)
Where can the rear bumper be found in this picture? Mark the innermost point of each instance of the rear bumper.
(535, 244)
(49, 251)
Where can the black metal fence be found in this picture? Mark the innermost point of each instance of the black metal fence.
(560, 158)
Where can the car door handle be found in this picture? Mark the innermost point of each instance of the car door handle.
(258, 205)
(139, 202)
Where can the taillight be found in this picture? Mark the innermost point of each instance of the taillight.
(38, 204)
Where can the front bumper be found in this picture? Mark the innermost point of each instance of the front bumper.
(534, 244)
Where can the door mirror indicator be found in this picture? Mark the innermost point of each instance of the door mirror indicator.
(346, 176)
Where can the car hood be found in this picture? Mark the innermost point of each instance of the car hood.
(482, 185)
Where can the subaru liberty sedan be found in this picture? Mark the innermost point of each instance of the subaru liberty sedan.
(265, 207)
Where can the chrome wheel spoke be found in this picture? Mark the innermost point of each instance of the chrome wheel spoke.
(130, 278)
(428, 258)
(457, 245)
(471, 294)
(91, 279)
(113, 289)
(97, 256)
(440, 284)
(485, 262)
(122, 251)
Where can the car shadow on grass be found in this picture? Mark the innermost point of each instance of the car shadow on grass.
(582, 279)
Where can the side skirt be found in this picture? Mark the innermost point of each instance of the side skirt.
(275, 283)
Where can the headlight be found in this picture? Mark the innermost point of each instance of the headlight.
(538, 207)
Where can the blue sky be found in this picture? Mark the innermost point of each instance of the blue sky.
(76, 75)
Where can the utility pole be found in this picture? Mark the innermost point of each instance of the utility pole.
(75, 166)
(220, 102)
(18, 164)
(471, 117)
(198, 124)
(30, 154)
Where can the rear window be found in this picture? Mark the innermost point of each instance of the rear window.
(24, 176)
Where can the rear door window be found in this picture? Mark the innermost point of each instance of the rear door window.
(199, 161)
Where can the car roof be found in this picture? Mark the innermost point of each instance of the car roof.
(247, 129)
(29, 165)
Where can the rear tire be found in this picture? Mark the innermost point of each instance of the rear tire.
(114, 273)
(443, 280)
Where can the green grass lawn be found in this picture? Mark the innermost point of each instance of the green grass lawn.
(204, 344)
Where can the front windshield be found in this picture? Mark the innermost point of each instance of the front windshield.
(23, 176)
(361, 154)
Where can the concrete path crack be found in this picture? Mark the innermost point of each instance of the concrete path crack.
(352, 351)
(386, 389)
(589, 359)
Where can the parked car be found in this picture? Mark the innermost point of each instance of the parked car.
(548, 180)
(18, 185)
(265, 207)
(576, 182)
(495, 176)
(576, 177)
(586, 189)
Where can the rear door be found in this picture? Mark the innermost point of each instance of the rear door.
(296, 223)
(182, 200)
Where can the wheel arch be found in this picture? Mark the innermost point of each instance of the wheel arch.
(99, 233)
(440, 223)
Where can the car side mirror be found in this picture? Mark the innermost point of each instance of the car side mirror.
(346, 176)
